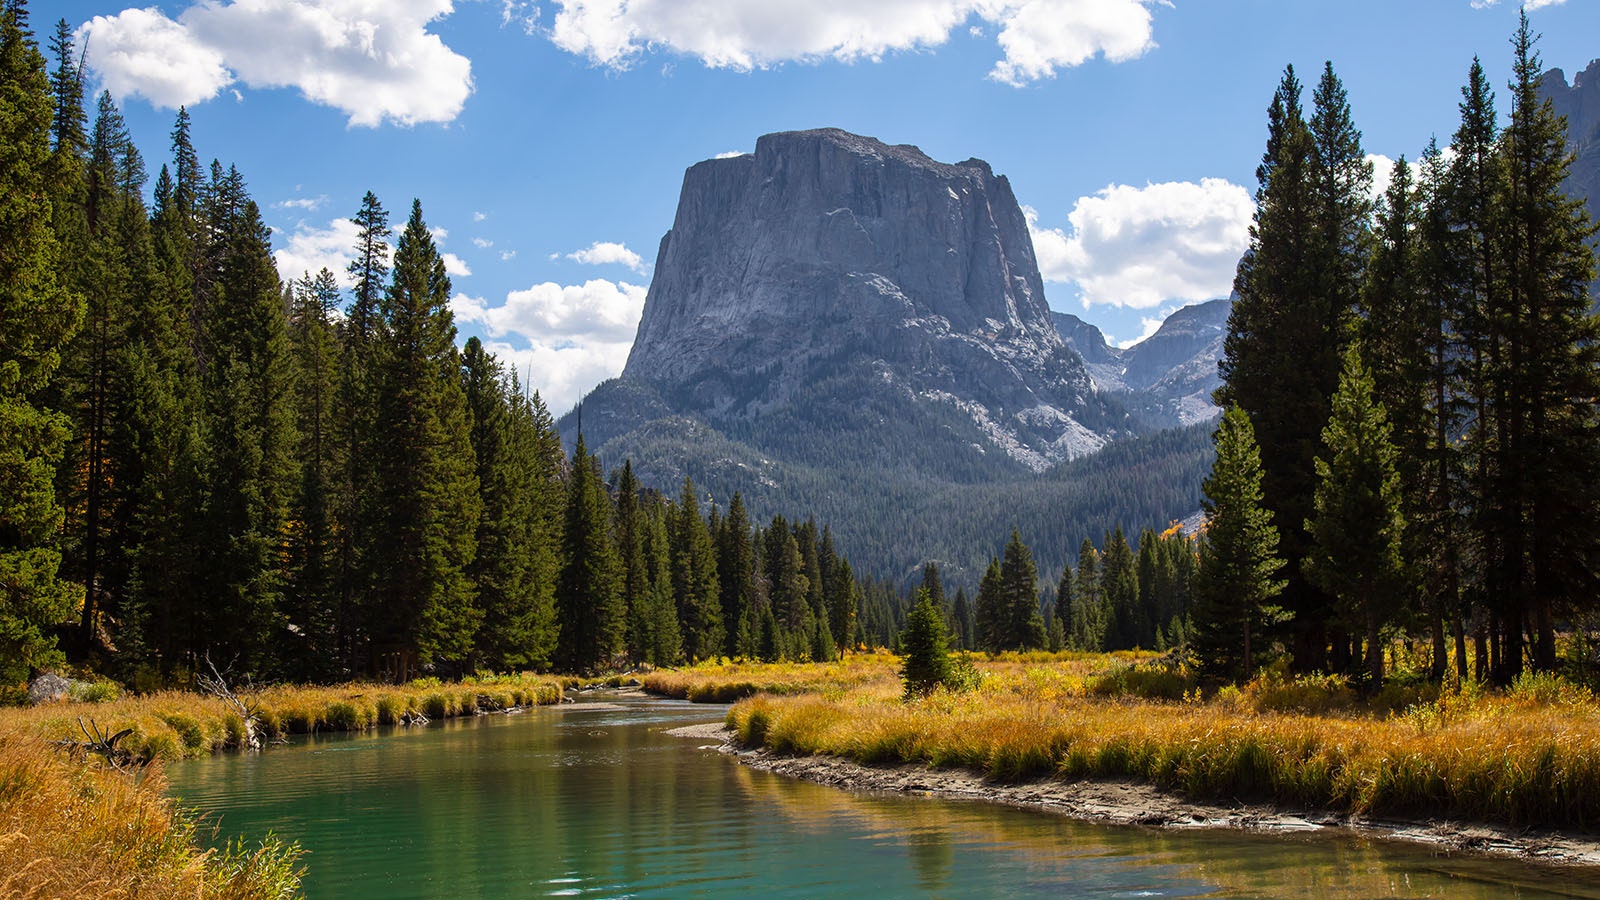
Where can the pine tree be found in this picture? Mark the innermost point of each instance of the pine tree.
(665, 644)
(989, 618)
(1235, 584)
(735, 571)
(961, 614)
(1119, 590)
(1358, 524)
(1088, 626)
(423, 608)
(694, 579)
(313, 608)
(1019, 587)
(589, 600)
(926, 647)
(37, 315)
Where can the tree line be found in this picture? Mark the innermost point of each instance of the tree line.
(197, 458)
(1413, 394)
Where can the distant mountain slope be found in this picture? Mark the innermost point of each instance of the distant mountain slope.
(1580, 103)
(1167, 378)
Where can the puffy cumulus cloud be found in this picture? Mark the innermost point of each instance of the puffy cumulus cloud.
(310, 248)
(1382, 174)
(564, 339)
(455, 265)
(142, 52)
(374, 61)
(608, 253)
(1037, 37)
(1142, 247)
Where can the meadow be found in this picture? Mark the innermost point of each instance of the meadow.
(1525, 756)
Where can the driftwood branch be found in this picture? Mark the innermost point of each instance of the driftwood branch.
(241, 699)
(103, 744)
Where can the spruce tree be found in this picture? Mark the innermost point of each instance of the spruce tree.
(423, 607)
(989, 618)
(1358, 523)
(1119, 591)
(1088, 625)
(735, 572)
(1236, 583)
(926, 646)
(589, 598)
(694, 579)
(37, 315)
(1019, 588)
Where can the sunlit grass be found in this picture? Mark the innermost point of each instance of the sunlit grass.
(1526, 756)
(71, 828)
(182, 724)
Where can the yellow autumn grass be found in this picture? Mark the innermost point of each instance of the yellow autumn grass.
(71, 828)
(182, 724)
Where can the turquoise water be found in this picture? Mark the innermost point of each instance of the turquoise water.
(599, 802)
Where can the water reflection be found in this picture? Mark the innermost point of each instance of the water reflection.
(600, 802)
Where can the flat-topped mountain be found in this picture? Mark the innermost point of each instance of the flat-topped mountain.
(825, 256)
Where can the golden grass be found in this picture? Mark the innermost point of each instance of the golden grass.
(181, 724)
(1528, 756)
(75, 829)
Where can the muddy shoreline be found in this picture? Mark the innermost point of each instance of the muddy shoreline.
(1132, 803)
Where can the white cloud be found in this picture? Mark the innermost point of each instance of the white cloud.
(1382, 174)
(374, 61)
(310, 248)
(309, 204)
(564, 339)
(1037, 37)
(1142, 247)
(731, 154)
(1148, 325)
(482, 243)
(1530, 5)
(142, 52)
(454, 265)
(479, 216)
(507, 255)
(607, 253)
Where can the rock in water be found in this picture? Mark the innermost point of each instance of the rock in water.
(826, 257)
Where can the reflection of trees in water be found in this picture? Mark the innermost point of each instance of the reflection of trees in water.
(1330, 864)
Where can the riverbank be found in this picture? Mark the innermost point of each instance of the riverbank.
(1139, 804)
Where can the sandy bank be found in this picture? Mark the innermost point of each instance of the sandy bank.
(1131, 803)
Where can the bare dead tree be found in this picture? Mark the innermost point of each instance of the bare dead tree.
(242, 700)
(104, 745)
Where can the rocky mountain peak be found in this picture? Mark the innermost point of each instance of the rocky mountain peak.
(829, 255)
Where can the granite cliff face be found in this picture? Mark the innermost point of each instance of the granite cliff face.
(826, 257)
(1580, 103)
(1168, 377)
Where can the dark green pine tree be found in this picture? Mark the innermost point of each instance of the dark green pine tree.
(1297, 285)
(313, 559)
(844, 600)
(589, 602)
(513, 567)
(1087, 629)
(1359, 524)
(1119, 591)
(423, 608)
(934, 585)
(1546, 380)
(735, 573)
(363, 336)
(630, 527)
(989, 618)
(1236, 583)
(790, 589)
(664, 645)
(1019, 588)
(961, 614)
(250, 473)
(925, 644)
(37, 315)
(694, 579)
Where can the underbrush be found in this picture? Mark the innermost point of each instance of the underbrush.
(71, 828)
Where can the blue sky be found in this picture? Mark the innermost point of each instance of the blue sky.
(547, 139)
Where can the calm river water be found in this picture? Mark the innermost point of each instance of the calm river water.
(599, 802)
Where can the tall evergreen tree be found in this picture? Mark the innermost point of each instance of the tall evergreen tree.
(694, 579)
(1119, 590)
(423, 608)
(926, 645)
(989, 619)
(589, 600)
(1358, 524)
(1088, 625)
(1236, 582)
(735, 571)
(37, 315)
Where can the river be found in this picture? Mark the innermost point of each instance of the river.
(596, 800)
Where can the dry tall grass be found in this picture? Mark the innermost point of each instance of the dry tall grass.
(71, 828)
(1527, 756)
(180, 724)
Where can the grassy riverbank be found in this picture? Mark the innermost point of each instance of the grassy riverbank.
(184, 724)
(72, 826)
(1526, 756)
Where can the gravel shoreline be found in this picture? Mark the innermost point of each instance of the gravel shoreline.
(1133, 803)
